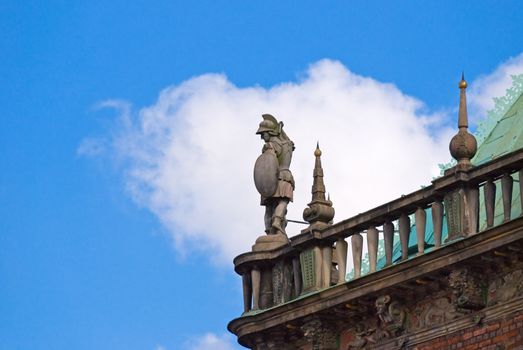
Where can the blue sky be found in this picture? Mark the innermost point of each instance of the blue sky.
(115, 203)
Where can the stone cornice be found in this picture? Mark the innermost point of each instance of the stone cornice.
(431, 262)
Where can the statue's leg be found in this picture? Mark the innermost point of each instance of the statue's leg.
(279, 222)
(269, 210)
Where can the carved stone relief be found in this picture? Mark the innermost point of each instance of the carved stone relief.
(320, 335)
(467, 290)
(389, 323)
(364, 336)
(391, 315)
(433, 313)
(453, 209)
(505, 287)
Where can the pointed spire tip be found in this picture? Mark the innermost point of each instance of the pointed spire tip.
(317, 152)
(462, 83)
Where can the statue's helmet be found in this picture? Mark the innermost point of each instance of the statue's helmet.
(270, 124)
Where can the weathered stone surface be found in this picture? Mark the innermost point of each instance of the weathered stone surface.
(266, 171)
(435, 312)
(270, 242)
(272, 175)
(505, 287)
(467, 290)
(320, 334)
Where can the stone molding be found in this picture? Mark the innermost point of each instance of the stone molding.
(473, 247)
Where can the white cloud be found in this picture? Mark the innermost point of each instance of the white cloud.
(486, 87)
(91, 147)
(189, 156)
(211, 341)
(191, 153)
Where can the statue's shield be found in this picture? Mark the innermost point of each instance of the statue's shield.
(266, 173)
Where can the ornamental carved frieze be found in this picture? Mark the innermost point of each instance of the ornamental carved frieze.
(364, 336)
(505, 287)
(467, 290)
(320, 334)
(392, 315)
(389, 323)
(435, 312)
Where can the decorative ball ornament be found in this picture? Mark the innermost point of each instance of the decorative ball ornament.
(463, 146)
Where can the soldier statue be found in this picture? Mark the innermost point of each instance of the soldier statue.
(272, 176)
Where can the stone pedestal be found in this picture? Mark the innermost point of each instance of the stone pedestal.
(270, 242)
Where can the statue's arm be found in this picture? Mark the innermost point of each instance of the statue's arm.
(286, 155)
(285, 162)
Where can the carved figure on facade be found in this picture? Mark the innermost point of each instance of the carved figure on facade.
(506, 287)
(272, 175)
(467, 290)
(436, 312)
(320, 335)
(390, 323)
(364, 336)
(392, 316)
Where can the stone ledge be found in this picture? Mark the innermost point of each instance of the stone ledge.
(438, 259)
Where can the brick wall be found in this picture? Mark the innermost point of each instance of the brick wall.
(500, 334)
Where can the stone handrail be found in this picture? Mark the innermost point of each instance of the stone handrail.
(316, 259)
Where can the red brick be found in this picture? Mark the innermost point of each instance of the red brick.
(493, 327)
(499, 339)
(480, 331)
(484, 343)
(452, 340)
(467, 335)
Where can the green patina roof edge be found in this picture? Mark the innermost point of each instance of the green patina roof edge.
(494, 142)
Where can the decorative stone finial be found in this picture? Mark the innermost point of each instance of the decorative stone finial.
(317, 152)
(463, 145)
(320, 211)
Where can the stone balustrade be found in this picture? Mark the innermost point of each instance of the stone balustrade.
(316, 259)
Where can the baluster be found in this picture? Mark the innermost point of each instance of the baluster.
(256, 278)
(372, 245)
(357, 245)
(327, 266)
(437, 222)
(341, 254)
(490, 197)
(388, 237)
(421, 222)
(296, 270)
(473, 205)
(506, 191)
(247, 291)
(404, 228)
